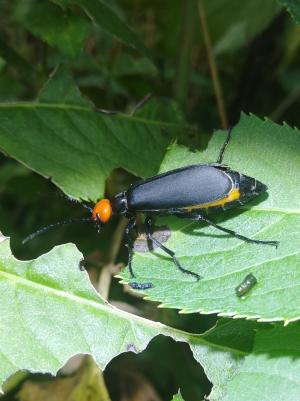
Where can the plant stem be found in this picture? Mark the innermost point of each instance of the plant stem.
(109, 269)
(185, 49)
(213, 67)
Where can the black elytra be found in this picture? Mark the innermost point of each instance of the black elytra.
(186, 192)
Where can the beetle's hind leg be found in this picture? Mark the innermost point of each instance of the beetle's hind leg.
(150, 237)
(200, 217)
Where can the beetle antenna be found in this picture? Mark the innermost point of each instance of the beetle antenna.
(54, 225)
(77, 202)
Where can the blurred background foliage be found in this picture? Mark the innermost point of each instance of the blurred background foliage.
(255, 45)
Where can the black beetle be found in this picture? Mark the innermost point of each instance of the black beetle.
(187, 193)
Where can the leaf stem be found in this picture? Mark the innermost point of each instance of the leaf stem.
(86, 109)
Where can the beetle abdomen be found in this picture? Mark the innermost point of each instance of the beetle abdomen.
(249, 187)
(193, 185)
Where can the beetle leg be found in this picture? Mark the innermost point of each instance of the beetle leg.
(136, 286)
(131, 224)
(150, 237)
(222, 151)
(99, 224)
(200, 217)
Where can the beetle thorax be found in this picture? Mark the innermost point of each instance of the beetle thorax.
(119, 203)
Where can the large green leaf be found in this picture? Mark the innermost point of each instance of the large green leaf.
(50, 312)
(270, 153)
(62, 136)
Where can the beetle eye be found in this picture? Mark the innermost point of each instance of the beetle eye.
(103, 210)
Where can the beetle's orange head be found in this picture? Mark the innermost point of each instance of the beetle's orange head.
(102, 211)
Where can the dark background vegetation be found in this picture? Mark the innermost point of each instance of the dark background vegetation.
(256, 48)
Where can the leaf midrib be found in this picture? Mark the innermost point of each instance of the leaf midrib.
(179, 335)
(73, 297)
(68, 107)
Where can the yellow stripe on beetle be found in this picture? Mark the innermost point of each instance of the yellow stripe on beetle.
(232, 196)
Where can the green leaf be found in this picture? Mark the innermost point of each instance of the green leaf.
(230, 25)
(269, 371)
(270, 153)
(167, 110)
(106, 18)
(62, 136)
(260, 374)
(50, 312)
(126, 65)
(162, 109)
(58, 28)
(177, 397)
(293, 7)
(222, 15)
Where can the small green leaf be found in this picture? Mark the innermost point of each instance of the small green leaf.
(270, 153)
(58, 28)
(223, 16)
(177, 397)
(293, 7)
(106, 18)
(62, 136)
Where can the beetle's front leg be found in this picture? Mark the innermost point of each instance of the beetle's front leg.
(134, 285)
(131, 224)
